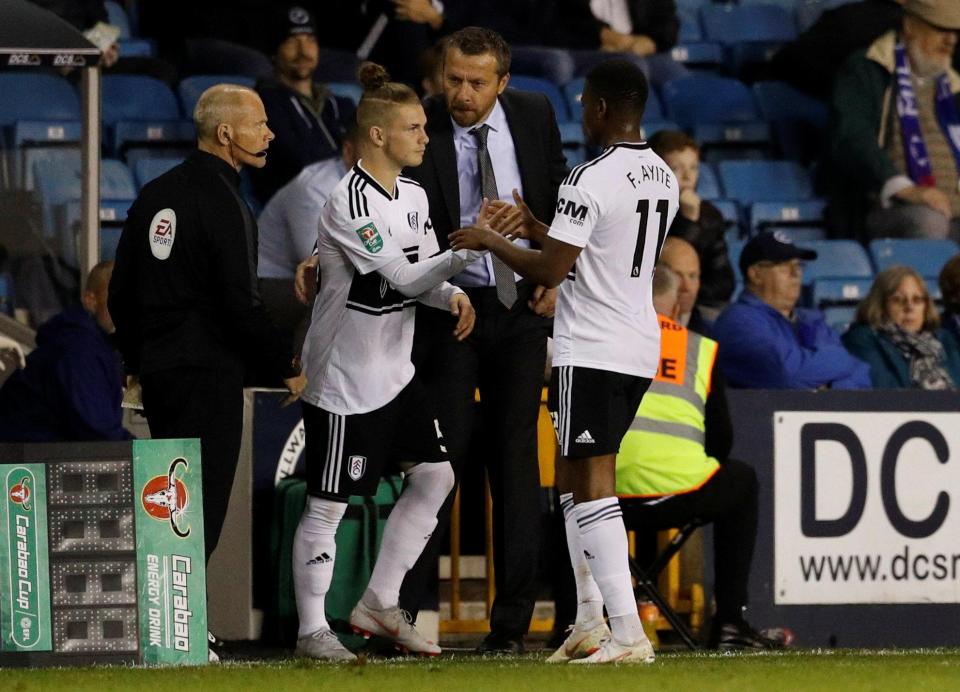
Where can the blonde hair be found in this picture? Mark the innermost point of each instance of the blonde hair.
(380, 95)
(218, 105)
(872, 310)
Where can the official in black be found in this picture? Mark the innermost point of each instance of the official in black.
(485, 141)
(184, 294)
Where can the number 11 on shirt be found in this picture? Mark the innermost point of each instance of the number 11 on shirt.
(643, 208)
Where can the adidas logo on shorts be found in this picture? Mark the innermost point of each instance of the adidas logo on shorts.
(320, 559)
(585, 438)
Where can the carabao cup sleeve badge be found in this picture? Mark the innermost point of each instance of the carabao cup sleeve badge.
(370, 237)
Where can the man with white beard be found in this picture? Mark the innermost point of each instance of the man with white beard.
(895, 142)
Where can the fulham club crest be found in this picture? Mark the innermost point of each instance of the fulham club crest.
(356, 465)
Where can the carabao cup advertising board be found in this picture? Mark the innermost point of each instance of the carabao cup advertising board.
(866, 508)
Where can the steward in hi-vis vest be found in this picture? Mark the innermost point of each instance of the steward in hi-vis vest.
(664, 451)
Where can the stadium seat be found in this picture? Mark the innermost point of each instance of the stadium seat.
(336, 66)
(925, 255)
(702, 54)
(136, 48)
(191, 88)
(729, 210)
(764, 215)
(112, 215)
(802, 234)
(33, 140)
(837, 259)
(708, 99)
(751, 33)
(799, 120)
(847, 291)
(350, 90)
(690, 31)
(765, 181)
(6, 294)
(839, 318)
(708, 187)
(146, 170)
(117, 16)
(571, 136)
(57, 184)
(734, 248)
(36, 96)
(139, 109)
(546, 87)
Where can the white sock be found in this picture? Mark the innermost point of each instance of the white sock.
(604, 542)
(314, 550)
(589, 599)
(408, 529)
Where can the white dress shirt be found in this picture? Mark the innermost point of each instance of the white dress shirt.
(503, 156)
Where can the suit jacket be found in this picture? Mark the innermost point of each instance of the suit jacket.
(539, 152)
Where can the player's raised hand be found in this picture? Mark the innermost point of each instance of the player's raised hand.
(472, 238)
(461, 308)
(305, 281)
(528, 226)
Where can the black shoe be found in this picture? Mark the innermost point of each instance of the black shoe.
(496, 644)
(737, 635)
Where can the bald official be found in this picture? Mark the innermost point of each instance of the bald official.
(682, 259)
(190, 322)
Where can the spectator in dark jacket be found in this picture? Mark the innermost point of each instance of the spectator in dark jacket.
(307, 119)
(898, 334)
(70, 389)
(699, 223)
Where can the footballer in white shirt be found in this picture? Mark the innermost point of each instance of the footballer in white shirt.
(364, 410)
(612, 218)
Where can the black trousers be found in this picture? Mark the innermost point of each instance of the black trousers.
(729, 500)
(206, 403)
(504, 357)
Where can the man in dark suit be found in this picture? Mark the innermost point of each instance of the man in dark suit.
(484, 143)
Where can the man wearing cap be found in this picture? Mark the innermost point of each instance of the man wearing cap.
(896, 167)
(766, 342)
(306, 117)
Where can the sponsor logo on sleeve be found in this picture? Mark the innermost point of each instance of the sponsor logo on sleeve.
(370, 237)
(163, 231)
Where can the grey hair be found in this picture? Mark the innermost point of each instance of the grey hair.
(217, 105)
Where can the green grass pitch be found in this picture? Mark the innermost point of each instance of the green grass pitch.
(799, 670)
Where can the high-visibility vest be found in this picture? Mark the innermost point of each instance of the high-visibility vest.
(663, 452)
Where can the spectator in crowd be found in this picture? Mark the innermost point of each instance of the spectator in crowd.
(487, 141)
(897, 333)
(645, 29)
(766, 341)
(681, 259)
(306, 117)
(810, 62)
(891, 158)
(71, 387)
(699, 223)
(950, 290)
(668, 479)
(288, 234)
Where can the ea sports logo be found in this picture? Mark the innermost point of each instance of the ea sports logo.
(20, 493)
(165, 498)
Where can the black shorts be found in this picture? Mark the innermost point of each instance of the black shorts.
(592, 409)
(347, 454)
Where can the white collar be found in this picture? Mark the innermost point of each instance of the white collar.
(496, 120)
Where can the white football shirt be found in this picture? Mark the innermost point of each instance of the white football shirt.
(357, 352)
(618, 208)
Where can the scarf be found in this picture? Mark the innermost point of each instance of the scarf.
(925, 355)
(915, 149)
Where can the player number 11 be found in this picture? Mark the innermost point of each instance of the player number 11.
(643, 208)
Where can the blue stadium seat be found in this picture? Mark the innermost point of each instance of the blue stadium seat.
(117, 16)
(141, 109)
(765, 181)
(839, 318)
(799, 120)
(732, 24)
(57, 184)
(837, 259)
(708, 99)
(191, 88)
(6, 294)
(146, 170)
(572, 92)
(839, 291)
(33, 140)
(648, 128)
(350, 90)
(708, 187)
(205, 56)
(729, 210)
(571, 136)
(36, 96)
(734, 248)
(925, 255)
(690, 31)
(801, 234)
(546, 87)
(136, 48)
(112, 215)
(703, 54)
(802, 213)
